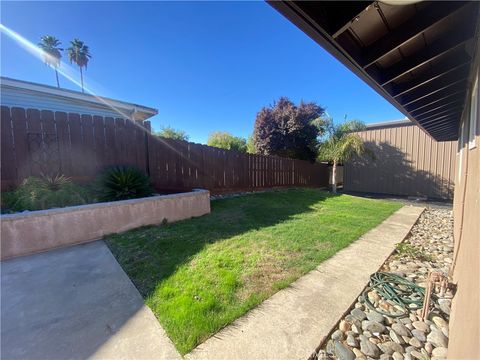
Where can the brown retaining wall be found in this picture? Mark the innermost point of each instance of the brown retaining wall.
(32, 232)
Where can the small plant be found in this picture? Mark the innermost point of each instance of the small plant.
(122, 183)
(45, 192)
(408, 250)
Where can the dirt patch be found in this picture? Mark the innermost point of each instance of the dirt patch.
(268, 271)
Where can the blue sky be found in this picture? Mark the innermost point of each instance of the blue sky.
(205, 65)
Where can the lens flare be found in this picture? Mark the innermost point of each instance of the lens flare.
(64, 69)
(67, 71)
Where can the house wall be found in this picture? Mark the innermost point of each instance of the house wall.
(464, 321)
(408, 162)
(13, 97)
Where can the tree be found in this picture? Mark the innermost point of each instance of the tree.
(251, 145)
(225, 140)
(51, 52)
(171, 133)
(285, 129)
(341, 144)
(79, 54)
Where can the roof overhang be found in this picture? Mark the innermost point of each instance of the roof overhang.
(418, 55)
(124, 109)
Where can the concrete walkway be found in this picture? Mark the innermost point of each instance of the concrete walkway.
(291, 324)
(76, 303)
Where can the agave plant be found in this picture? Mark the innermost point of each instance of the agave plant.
(45, 192)
(122, 183)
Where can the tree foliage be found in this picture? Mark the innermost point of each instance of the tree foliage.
(341, 143)
(79, 54)
(251, 145)
(288, 130)
(225, 140)
(171, 133)
(50, 46)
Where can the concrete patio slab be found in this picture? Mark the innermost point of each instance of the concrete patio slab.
(293, 322)
(76, 303)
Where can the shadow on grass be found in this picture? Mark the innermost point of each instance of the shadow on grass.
(201, 274)
(153, 253)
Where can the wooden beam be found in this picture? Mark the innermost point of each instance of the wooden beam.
(445, 135)
(432, 90)
(424, 20)
(452, 69)
(443, 132)
(426, 102)
(450, 111)
(436, 107)
(436, 50)
(452, 114)
(355, 10)
(442, 125)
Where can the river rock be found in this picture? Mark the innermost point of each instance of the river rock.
(440, 352)
(415, 343)
(400, 329)
(389, 347)
(420, 335)
(342, 352)
(374, 316)
(338, 335)
(369, 348)
(437, 339)
(330, 348)
(395, 337)
(374, 327)
(358, 354)
(439, 322)
(351, 341)
(397, 356)
(420, 325)
(417, 355)
(445, 305)
(344, 326)
(358, 314)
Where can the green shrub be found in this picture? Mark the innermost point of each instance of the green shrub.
(122, 183)
(45, 192)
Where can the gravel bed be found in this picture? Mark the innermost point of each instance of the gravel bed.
(366, 334)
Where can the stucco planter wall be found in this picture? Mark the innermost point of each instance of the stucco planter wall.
(31, 232)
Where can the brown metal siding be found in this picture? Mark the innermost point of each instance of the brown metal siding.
(464, 328)
(407, 162)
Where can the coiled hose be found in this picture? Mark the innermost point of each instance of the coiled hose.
(396, 290)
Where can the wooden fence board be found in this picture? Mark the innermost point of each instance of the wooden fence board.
(7, 149)
(63, 134)
(22, 155)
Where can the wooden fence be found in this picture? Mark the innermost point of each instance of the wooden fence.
(80, 146)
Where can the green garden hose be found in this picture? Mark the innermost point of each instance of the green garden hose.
(396, 290)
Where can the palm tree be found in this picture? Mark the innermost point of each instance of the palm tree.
(341, 145)
(51, 52)
(79, 54)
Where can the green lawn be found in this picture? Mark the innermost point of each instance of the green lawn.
(199, 275)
